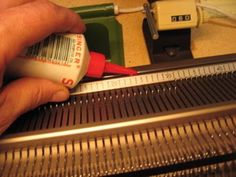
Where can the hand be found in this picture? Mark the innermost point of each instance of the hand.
(22, 24)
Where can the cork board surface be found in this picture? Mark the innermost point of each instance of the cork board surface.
(209, 39)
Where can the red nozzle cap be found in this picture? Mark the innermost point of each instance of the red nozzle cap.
(98, 65)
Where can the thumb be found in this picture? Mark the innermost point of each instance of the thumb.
(26, 94)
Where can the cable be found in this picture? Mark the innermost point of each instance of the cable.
(214, 8)
(131, 10)
(222, 23)
(127, 10)
(203, 5)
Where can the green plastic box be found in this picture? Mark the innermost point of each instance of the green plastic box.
(104, 32)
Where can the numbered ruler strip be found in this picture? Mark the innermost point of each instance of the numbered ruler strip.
(157, 77)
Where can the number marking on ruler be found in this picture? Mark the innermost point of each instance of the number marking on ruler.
(151, 78)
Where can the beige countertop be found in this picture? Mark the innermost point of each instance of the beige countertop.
(208, 40)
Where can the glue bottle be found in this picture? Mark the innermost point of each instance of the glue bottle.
(64, 59)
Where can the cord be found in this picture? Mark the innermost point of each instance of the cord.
(131, 10)
(118, 10)
(202, 5)
(216, 9)
(222, 23)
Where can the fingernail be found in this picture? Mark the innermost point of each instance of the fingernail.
(60, 95)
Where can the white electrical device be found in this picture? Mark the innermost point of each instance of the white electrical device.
(174, 14)
(180, 14)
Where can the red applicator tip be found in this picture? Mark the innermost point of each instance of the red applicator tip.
(98, 65)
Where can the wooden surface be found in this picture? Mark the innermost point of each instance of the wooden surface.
(208, 40)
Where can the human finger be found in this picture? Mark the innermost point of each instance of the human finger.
(26, 94)
(25, 25)
(12, 3)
